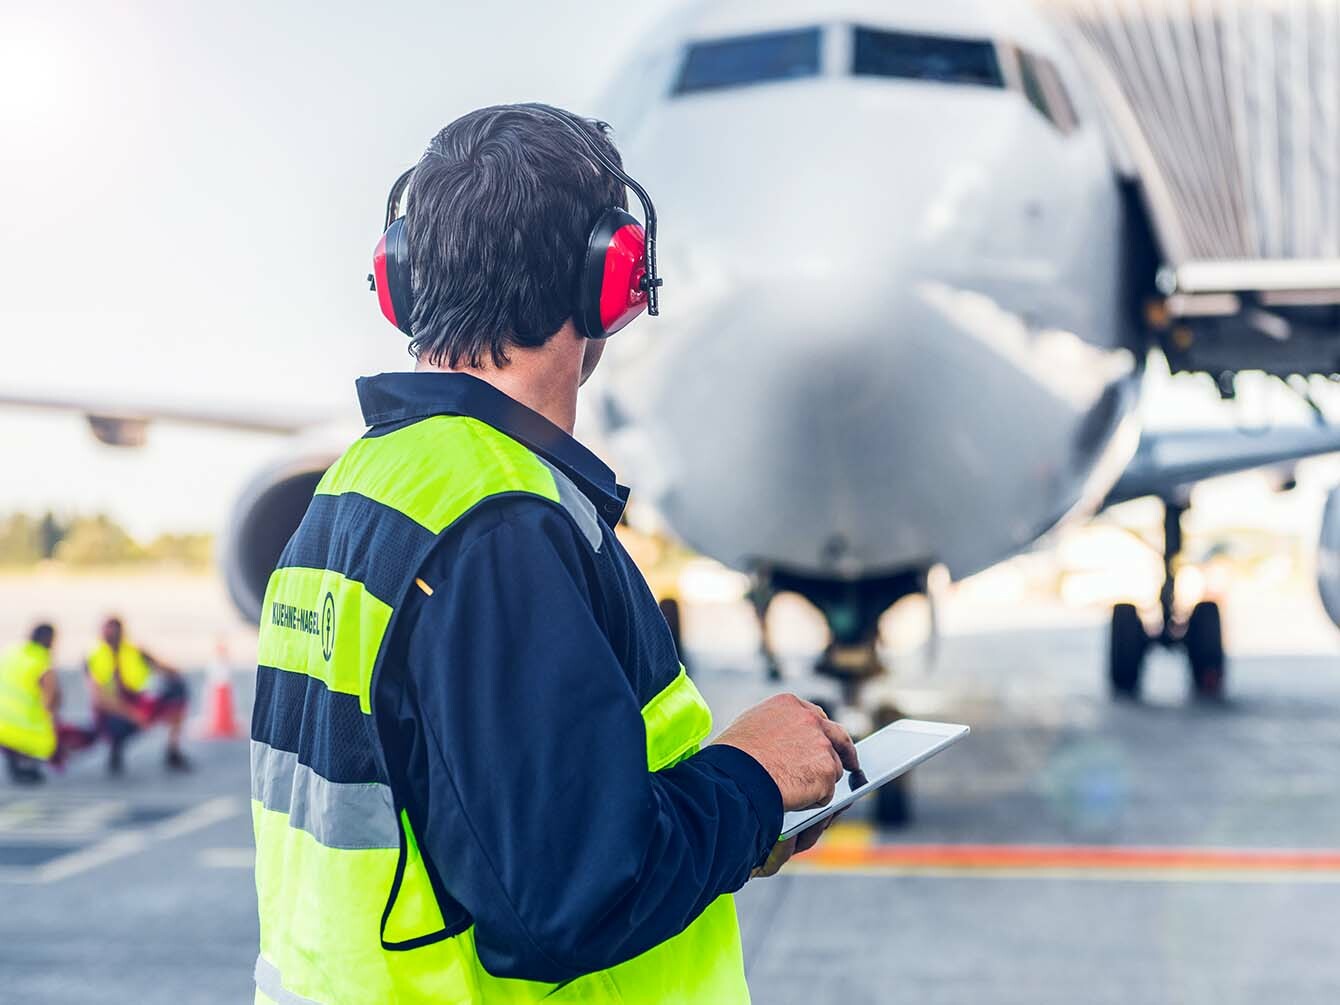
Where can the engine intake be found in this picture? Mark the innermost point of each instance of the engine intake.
(263, 519)
(1328, 557)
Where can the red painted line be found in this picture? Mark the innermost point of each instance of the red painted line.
(1112, 857)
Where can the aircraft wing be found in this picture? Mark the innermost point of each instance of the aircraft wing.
(1167, 463)
(124, 423)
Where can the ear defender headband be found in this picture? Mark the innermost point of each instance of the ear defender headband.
(618, 277)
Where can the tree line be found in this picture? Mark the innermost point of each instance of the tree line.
(92, 540)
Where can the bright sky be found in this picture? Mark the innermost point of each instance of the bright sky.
(192, 194)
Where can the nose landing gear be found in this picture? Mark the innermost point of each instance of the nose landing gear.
(852, 611)
(1200, 635)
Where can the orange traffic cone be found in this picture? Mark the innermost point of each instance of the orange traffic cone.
(220, 720)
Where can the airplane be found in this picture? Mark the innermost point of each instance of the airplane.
(913, 274)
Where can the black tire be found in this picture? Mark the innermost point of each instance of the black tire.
(893, 804)
(670, 611)
(1126, 651)
(826, 704)
(1204, 641)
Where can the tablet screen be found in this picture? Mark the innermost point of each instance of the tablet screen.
(885, 754)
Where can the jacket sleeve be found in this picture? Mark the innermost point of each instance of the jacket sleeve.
(544, 821)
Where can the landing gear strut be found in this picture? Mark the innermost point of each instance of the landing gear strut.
(1201, 635)
(852, 611)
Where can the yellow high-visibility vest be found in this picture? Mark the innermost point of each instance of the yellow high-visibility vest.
(348, 914)
(25, 722)
(126, 666)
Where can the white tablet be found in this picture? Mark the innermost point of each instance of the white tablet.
(885, 754)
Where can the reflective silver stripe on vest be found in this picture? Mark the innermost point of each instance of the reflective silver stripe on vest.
(574, 500)
(269, 984)
(346, 815)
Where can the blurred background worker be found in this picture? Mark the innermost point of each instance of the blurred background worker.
(476, 762)
(29, 698)
(119, 674)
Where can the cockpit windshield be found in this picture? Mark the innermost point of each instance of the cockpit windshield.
(946, 60)
(749, 59)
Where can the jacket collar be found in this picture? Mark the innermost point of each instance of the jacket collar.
(390, 400)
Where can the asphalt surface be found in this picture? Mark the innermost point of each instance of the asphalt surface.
(1070, 850)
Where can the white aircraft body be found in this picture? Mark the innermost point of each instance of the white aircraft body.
(904, 323)
(894, 332)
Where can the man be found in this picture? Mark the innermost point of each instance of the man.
(476, 763)
(29, 698)
(119, 673)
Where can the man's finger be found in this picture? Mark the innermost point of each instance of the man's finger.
(777, 858)
(817, 709)
(842, 743)
(809, 837)
(825, 795)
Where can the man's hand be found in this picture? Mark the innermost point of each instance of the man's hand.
(803, 750)
(783, 850)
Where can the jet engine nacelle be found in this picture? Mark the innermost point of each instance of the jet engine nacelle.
(1328, 557)
(263, 519)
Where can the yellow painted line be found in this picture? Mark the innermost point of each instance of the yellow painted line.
(1138, 863)
(850, 834)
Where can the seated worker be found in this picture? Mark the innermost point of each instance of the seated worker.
(29, 696)
(119, 673)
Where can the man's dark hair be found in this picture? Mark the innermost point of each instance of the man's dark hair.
(44, 634)
(500, 210)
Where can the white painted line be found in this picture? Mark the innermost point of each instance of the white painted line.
(209, 812)
(126, 843)
(107, 850)
(227, 858)
(57, 818)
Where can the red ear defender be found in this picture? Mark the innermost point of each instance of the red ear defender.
(391, 276)
(613, 287)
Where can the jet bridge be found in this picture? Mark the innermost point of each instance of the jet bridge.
(1224, 117)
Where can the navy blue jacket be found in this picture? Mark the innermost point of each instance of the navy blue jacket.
(509, 707)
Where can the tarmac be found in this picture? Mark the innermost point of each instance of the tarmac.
(1070, 850)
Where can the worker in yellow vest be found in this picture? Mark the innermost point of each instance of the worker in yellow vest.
(120, 673)
(479, 771)
(29, 697)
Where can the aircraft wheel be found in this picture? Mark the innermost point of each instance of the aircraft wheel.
(893, 804)
(670, 611)
(826, 704)
(1126, 651)
(1204, 641)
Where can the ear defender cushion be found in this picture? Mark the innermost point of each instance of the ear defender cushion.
(391, 275)
(616, 261)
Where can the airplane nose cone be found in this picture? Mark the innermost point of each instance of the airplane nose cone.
(777, 384)
(831, 370)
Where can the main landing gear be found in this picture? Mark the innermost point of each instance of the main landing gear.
(1200, 636)
(852, 611)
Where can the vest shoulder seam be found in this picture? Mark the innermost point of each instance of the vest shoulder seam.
(593, 537)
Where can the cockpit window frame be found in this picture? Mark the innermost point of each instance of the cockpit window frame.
(1039, 80)
(1028, 74)
(835, 52)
